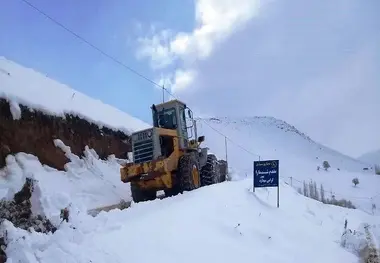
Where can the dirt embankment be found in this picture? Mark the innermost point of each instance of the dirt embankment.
(35, 132)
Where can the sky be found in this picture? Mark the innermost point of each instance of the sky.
(311, 63)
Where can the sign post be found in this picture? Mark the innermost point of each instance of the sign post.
(266, 174)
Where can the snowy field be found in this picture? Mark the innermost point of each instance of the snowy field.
(222, 223)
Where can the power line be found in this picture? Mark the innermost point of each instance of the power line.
(123, 65)
(229, 139)
(90, 44)
(95, 47)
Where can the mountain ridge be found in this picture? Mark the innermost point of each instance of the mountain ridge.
(372, 157)
(278, 123)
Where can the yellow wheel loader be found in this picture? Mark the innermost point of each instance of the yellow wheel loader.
(168, 156)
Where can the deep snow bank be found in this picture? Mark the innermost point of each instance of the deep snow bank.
(221, 223)
(88, 182)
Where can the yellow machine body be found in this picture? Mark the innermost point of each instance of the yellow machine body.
(156, 174)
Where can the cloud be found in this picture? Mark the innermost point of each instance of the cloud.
(311, 63)
(215, 21)
(179, 79)
(156, 48)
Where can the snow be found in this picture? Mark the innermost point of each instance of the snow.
(354, 241)
(375, 230)
(371, 157)
(15, 110)
(221, 223)
(35, 90)
(299, 157)
(88, 182)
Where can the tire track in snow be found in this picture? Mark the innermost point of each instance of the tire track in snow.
(122, 205)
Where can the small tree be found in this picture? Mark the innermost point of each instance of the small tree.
(311, 190)
(316, 191)
(355, 181)
(323, 199)
(326, 165)
(305, 189)
(318, 168)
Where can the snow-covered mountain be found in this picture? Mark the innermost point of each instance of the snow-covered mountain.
(371, 157)
(271, 138)
(223, 222)
(268, 138)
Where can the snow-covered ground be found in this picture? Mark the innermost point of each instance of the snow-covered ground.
(220, 223)
(299, 157)
(224, 223)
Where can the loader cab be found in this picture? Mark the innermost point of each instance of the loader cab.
(174, 115)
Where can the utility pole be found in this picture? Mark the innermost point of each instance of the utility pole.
(163, 93)
(225, 143)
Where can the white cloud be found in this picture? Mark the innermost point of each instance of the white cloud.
(155, 48)
(179, 80)
(311, 63)
(183, 79)
(215, 21)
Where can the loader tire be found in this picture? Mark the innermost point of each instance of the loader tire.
(188, 173)
(210, 173)
(141, 195)
(171, 192)
(223, 170)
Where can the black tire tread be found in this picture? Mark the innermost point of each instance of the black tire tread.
(184, 174)
(210, 173)
(223, 170)
(140, 195)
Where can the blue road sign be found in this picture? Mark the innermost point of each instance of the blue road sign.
(266, 173)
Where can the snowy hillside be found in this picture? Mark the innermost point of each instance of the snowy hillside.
(271, 138)
(87, 183)
(371, 157)
(221, 223)
(299, 156)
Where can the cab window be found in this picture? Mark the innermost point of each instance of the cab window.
(167, 118)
